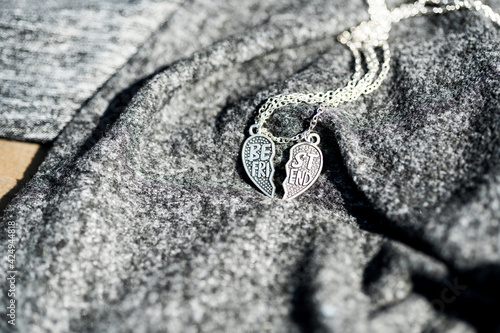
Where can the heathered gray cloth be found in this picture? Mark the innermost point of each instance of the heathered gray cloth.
(154, 226)
(56, 54)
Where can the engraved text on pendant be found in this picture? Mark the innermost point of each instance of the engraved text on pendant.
(257, 156)
(302, 169)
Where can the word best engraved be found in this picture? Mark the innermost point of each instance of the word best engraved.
(257, 155)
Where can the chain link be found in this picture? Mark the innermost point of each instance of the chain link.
(364, 40)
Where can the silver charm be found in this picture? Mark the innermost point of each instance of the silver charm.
(303, 167)
(257, 155)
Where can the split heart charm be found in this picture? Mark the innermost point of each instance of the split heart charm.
(302, 169)
(257, 155)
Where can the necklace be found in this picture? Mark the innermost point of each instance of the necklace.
(364, 41)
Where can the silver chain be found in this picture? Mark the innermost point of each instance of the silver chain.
(364, 40)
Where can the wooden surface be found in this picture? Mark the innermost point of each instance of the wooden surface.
(18, 163)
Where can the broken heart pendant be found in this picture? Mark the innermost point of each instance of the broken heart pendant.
(257, 155)
(302, 169)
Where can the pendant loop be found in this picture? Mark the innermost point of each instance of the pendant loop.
(313, 138)
(254, 129)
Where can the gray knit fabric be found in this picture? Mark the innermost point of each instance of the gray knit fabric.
(142, 218)
(55, 55)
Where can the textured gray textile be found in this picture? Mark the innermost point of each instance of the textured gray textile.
(55, 55)
(146, 222)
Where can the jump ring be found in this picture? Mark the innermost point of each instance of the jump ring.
(313, 138)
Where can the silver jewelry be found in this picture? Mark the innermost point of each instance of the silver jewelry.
(364, 40)
(257, 154)
(303, 167)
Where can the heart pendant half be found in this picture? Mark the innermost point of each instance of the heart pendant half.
(302, 169)
(257, 156)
